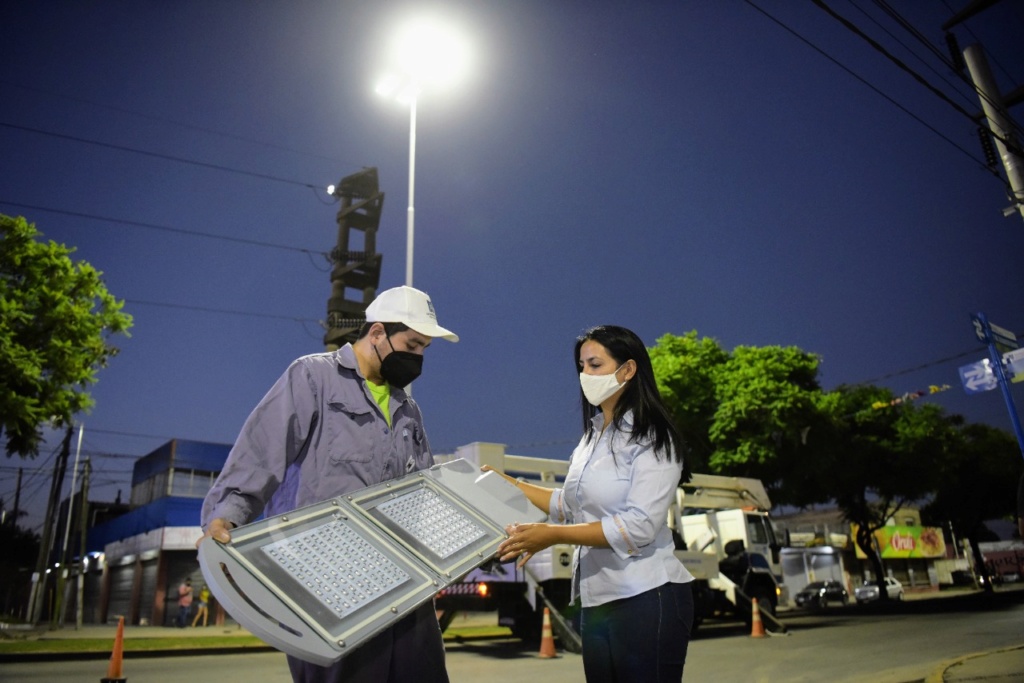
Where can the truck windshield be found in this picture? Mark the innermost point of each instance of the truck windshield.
(757, 529)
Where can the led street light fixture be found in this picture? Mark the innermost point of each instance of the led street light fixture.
(320, 581)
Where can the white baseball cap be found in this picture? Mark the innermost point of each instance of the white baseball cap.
(410, 307)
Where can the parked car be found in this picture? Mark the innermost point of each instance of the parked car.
(820, 593)
(869, 591)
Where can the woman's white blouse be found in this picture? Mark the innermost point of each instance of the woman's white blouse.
(625, 488)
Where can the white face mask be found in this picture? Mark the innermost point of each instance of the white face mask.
(597, 388)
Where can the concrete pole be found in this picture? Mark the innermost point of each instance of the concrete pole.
(411, 215)
(35, 602)
(83, 527)
(998, 121)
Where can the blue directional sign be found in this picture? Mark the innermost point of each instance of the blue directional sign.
(978, 377)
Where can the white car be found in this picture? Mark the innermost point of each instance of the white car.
(869, 591)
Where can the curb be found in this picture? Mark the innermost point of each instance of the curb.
(17, 657)
(939, 674)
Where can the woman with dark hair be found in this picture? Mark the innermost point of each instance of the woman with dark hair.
(637, 606)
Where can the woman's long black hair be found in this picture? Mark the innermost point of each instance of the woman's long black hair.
(651, 420)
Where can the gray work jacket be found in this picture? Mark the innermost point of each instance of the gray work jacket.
(316, 434)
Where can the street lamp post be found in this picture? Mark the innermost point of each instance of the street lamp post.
(425, 55)
(410, 219)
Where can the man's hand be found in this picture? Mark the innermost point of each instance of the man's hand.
(219, 529)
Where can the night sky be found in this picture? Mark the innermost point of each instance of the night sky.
(754, 171)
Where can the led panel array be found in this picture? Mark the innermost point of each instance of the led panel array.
(336, 566)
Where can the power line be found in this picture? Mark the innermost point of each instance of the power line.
(925, 366)
(892, 101)
(224, 311)
(967, 28)
(164, 228)
(157, 155)
(921, 39)
(849, 25)
(180, 124)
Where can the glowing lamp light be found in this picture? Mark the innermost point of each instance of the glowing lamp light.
(426, 54)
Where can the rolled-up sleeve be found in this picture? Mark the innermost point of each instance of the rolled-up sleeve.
(271, 439)
(652, 487)
(557, 512)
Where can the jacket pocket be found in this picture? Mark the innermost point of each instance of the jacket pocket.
(351, 433)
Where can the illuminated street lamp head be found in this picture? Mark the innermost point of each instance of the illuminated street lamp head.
(425, 53)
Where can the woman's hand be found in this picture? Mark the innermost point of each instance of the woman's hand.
(526, 540)
(511, 480)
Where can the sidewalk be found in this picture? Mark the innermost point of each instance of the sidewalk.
(995, 666)
(101, 631)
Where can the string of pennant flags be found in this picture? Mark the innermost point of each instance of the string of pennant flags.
(911, 396)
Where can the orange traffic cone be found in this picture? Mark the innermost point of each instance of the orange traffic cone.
(114, 668)
(756, 627)
(547, 641)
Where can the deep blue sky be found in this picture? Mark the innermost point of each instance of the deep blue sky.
(667, 166)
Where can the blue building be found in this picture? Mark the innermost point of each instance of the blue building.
(137, 561)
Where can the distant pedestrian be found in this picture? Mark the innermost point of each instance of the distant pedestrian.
(202, 607)
(184, 602)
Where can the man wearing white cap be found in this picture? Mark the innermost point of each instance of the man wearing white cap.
(337, 422)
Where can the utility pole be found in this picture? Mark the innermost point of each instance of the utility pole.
(57, 618)
(17, 499)
(999, 123)
(995, 106)
(35, 601)
(83, 528)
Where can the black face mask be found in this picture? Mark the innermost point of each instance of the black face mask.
(400, 368)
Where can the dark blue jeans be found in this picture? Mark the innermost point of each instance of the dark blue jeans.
(642, 639)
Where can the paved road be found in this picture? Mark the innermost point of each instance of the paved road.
(901, 643)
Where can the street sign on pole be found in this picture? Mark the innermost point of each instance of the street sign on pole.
(984, 331)
(987, 333)
(1003, 338)
(978, 377)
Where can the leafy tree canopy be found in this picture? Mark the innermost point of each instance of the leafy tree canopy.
(743, 413)
(55, 320)
(759, 412)
(978, 479)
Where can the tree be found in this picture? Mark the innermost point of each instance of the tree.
(767, 402)
(56, 317)
(874, 461)
(977, 482)
(685, 370)
(744, 414)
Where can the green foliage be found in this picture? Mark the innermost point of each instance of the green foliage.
(759, 412)
(685, 368)
(766, 398)
(874, 462)
(742, 414)
(978, 479)
(55, 320)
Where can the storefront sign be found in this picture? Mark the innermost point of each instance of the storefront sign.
(906, 541)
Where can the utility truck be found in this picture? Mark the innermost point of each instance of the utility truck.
(723, 535)
(725, 538)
